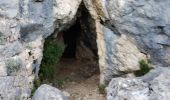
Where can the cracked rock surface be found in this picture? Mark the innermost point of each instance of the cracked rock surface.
(127, 31)
(133, 30)
(152, 86)
(24, 24)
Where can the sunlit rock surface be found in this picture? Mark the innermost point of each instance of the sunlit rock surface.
(23, 26)
(46, 92)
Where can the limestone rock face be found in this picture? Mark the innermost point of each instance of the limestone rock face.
(147, 21)
(24, 24)
(126, 31)
(152, 86)
(118, 55)
(46, 92)
(132, 29)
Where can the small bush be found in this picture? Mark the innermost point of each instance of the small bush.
(102, 89)
(144, 68)
(51, 56)
(36, 84)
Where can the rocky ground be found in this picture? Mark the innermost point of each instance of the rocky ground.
(84, 90)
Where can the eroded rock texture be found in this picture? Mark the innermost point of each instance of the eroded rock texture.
(131, 30)
(152, 86)
(23, 26)
(145, 20)
(46, 92)
(126, 32)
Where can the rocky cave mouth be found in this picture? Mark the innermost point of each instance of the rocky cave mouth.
(79, 60)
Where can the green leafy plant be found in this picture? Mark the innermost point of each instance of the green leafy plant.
(144, 68)
(51, 56)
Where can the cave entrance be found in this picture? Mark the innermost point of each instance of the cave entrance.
(70, 39)
(76, 70)
(80, 59)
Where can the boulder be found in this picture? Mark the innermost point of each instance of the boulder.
(146, 22)
(152, 86)
(143, 25)
(47, 92)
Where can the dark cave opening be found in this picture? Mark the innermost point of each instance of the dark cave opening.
(73, 53)
(70, 58)
(70, 38)
(82, 32)
(80, 58)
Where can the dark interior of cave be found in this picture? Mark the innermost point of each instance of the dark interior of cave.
(82, 30)
(80, 58)
(70, 37)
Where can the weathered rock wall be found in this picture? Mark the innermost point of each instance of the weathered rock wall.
(127, 32)
(152, 86)
(24, 24)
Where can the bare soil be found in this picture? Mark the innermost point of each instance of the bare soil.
(80, 79)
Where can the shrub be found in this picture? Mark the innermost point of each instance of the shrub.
(51, 56)
(144, 68)
(102, 89)
(36, 84)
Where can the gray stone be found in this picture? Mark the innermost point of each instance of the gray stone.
(147, 24)
(31, 32)
(167, 30)
(46, 92)
(152, 86)
(12, 49)
(127, 32)
(144, 24)
(24, 25)
(13, 66)
(118, 55)
(14, 88)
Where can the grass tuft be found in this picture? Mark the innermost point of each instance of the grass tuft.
(101, 89)
(36, 84)
(144, 68)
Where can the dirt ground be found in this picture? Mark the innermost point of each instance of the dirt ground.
(80, 79)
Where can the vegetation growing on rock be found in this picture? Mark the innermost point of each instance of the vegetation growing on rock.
(144, 68)
(36, 84)
(102, 89)
(51, 55)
